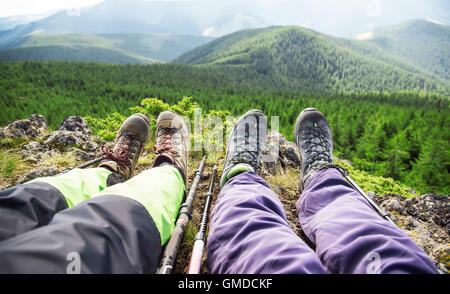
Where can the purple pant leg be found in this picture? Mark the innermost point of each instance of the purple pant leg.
(249, 233)
(350, 236)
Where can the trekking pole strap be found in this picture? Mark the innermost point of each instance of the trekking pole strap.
(83, 166)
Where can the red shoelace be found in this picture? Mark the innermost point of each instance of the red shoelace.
(121, 155)
(166, 145)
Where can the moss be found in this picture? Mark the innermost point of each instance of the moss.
(9, 143)
(11, 167)
(64, 160)
(376, 184)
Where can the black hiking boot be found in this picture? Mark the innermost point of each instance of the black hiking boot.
(314, 140)
(130, 141)
(245, 145)
(173, 142)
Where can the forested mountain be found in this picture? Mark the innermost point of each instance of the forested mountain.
(423, 43)
(393, 59)
(73, 54)
(306, 59)
(112, 48)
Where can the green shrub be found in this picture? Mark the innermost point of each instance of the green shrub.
(376, 184)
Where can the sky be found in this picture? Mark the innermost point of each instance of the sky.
(25, 7)
(335, 17)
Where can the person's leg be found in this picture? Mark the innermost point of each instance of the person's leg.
(249, 233)
(349, 235)
(30, 206)
(120, 230)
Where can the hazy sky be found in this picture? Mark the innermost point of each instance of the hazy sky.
(286, 7)
(23, 7)
(336, 17)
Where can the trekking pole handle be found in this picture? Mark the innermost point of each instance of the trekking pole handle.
(195, 263)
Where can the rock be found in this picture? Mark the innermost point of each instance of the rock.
(290, 154)
(270, 156)
(279, 154)
(394, 205)
(33, 127)
(75, 124)
(38, 172)
(33, 149)
(73, 135)
(65, 139)
(80, 154)
(430, 207)
(73, 131)
(425, 219)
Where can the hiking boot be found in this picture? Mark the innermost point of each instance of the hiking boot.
(245, 145)
(128, 145)
(313, 138)
(173, 142)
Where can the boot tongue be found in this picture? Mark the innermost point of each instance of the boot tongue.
(160, 159)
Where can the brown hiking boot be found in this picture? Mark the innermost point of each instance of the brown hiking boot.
(173, 142)
(130, 141)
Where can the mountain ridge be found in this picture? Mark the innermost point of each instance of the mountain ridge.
(141, 47)
(300, 54)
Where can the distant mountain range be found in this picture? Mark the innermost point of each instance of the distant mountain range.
(110, 48)
(410, 56)
(134, 31)
(135, 16)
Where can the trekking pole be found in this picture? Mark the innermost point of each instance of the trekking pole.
(170, 253)
(199, 244)
(372, 203)
(83, 166)
(380, 211)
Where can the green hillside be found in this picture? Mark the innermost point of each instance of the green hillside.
(305, 59)
(72, 53)
(416, 46)
(420, 42)
(115, 48)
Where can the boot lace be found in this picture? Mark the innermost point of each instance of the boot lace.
(318, 149)
(166, 144)
(123, 153)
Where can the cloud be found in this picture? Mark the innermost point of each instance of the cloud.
(364, 36)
